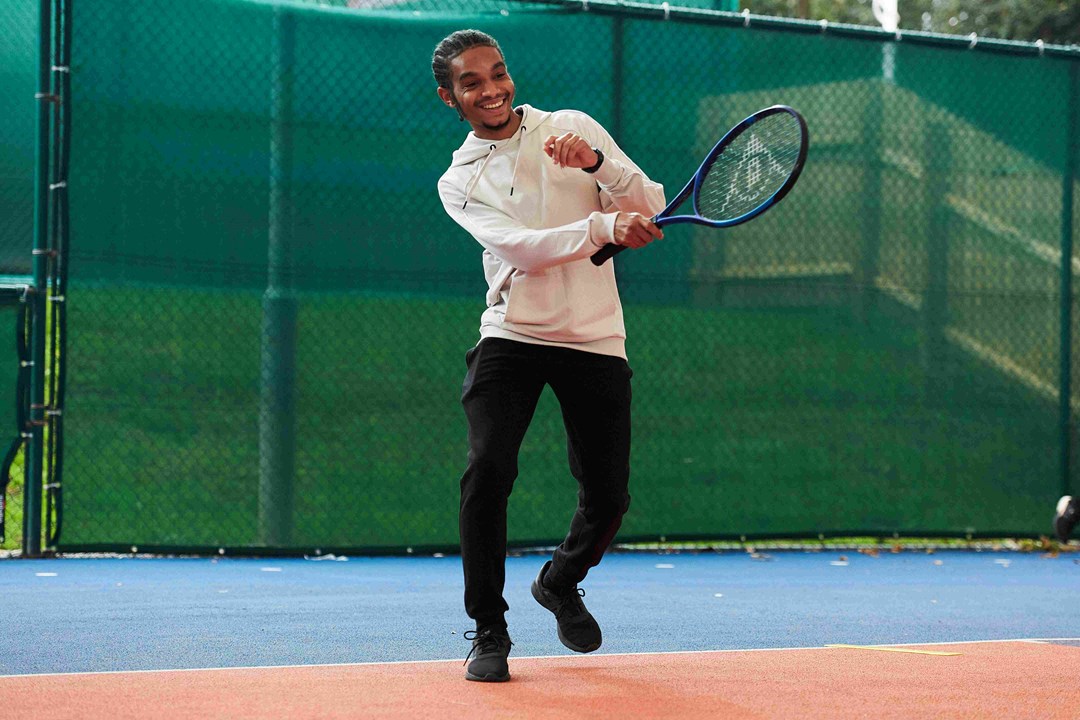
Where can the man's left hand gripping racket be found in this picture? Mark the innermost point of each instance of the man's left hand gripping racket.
(751, 169)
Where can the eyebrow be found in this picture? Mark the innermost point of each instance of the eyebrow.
(472, 73)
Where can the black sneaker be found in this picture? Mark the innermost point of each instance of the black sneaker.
(1066, 517)
(492, 648)
(577, 627)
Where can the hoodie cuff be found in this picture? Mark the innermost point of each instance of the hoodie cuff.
(602, 228)
(609, 173)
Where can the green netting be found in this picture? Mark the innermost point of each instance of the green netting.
(18, 52)
(879, 354)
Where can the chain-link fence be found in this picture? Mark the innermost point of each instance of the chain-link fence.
(269, 309)
(19, 45)
(18, 48)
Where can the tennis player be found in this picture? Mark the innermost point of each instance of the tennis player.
(541, 192)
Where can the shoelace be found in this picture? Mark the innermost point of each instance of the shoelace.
(571, 601)
(485, 641)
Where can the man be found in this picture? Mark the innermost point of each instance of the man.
(541, 192)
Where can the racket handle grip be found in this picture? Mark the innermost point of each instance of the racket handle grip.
(606, 252)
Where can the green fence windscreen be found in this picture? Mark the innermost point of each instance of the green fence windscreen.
(269, 310)
(18, 83)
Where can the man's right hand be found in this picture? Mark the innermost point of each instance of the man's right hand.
(634, 230)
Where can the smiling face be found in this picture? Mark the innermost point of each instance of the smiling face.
(483, 92)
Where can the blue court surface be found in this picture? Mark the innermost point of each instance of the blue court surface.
(132, 613)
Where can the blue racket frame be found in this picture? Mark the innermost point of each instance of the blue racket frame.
(694, 186)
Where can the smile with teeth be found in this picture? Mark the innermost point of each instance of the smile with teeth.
(496, 106)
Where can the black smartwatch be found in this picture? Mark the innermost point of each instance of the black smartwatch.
(599, 162)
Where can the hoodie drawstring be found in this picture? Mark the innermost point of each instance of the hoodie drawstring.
(476, 178)
(513, 177)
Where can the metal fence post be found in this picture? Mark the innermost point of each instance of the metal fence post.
(35, 447)
(277, 400)
(1068, 179)
(937, 164)
(618, 70)
(866, 271)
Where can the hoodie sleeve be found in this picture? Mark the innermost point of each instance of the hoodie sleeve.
(522, 247)
(623, 185)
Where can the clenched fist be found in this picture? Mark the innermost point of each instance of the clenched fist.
(634, 230)
(570, 150)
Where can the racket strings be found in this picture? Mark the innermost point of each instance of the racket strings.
(751, 169)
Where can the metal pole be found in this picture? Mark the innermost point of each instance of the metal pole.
(866, 271)
(1068, 179)
(277, 402)
(617, 71)
(36, 298)
(938, 164)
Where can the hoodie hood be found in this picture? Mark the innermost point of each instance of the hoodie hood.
(475, 148)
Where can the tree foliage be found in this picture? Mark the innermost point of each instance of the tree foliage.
(1052, 21)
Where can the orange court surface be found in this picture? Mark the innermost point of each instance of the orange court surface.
(1001, 679)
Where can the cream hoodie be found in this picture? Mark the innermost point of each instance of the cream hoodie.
(539, 224)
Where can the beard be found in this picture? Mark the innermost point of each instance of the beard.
(509, 116)
(501, 125)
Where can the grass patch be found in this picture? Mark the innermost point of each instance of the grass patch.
(9, 367)
(14, 507)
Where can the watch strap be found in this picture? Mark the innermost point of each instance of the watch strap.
(599, 162)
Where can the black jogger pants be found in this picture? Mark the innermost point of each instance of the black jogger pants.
(500, 393)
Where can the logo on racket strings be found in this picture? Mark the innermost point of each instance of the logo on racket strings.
(756, 163)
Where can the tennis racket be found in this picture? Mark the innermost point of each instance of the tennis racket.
(751, 169)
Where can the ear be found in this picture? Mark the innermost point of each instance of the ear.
(446, 96)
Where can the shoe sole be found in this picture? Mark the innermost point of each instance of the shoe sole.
(576, 648)
(487, 678)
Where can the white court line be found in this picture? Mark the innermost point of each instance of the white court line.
(523, 657)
